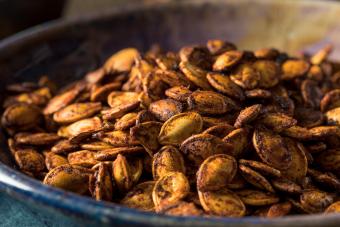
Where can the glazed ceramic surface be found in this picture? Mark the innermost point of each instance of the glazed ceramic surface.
(66, 50)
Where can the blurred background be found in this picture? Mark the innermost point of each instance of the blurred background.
(16, 15)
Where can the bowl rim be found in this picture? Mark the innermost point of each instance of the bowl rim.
(22, 187)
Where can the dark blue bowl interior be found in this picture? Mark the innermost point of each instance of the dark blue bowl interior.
(66, 50)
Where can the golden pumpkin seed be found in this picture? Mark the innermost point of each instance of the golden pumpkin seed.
(64, 147)
(255, 178)
(201, 146)
(82, 126)
(333, 208)
(21, 117)
(247, 115)
(208, 102)
(196, 55)
(103, 189)
(222, 203)
(178, 93)
(330, 100)
(226, 60)
(225, 85)
(125, 122)
(165, 108)
(122, 174)
(269, 73)
(271, 149)
(36, 138)
(69, 177)
(120, 103)
(328, 180)
(298, 165)
(321, 55)
(266, 53)
(216, 46)
(76, 112)
(121, 61)
(277, 121)
(315, 201)
(261, 167)
(53, 160)
(179, 127)
(173, 78)
(292, 69)
(285, 185)
(220, 131)
(182, 209)
(140, 197)
(258, 94)
(216, 172)
(83, 158)
(245, 76)
(311, 93)
(279, 210)
(62, 100)
(256, 197)
(111, 154)
(333, 116)
(170, 189)
(195, 74)
(330, 161)
(117, 138)
(29, 160)
(100, 94)
(167, 159)
(238, 139)
(169, 61)
(147, 135)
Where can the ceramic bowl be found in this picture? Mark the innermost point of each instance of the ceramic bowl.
(65, 50)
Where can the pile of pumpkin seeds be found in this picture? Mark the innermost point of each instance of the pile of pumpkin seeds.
(208, 131)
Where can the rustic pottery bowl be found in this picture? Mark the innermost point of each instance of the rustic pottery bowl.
(65, 50)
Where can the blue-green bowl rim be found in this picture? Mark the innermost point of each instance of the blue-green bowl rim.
(25, 188)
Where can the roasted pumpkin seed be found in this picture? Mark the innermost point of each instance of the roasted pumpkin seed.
(103, 185)
(315, 201)
(222, 203)
(140, 197)
(76, 112)
(271, 149)
(167, 159)
(121, 61)
(333, 208)
(227, 59)
(225, 85)
(255, 178)
(201, 146)
(182, 209)
(29, 160)
(165, 108)
(256, 197)
(179, 127)
(294, 68)
(82, 158)
(208, 102)
(216, 172)
(21, 117)
(247, 115)
(170, 189)
(69, 177)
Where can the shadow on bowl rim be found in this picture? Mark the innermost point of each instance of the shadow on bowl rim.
(22, 187)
